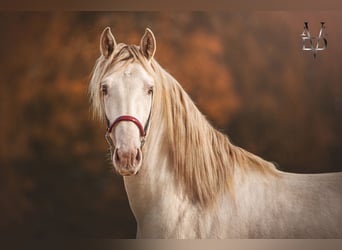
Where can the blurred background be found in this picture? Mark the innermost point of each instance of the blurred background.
(245, 71)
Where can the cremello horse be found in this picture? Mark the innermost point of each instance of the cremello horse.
(183, 178)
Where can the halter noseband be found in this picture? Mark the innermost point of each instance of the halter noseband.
(127, 118)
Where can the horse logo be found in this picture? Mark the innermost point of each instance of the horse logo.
(312, 43)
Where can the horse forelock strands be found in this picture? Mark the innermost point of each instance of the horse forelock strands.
(204, 159)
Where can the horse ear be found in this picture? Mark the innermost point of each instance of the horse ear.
(107, 43)
(148, 44)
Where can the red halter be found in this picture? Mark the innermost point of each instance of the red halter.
(128, 118)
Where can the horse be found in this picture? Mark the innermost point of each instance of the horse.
(185, 179)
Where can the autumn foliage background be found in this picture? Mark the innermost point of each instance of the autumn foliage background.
(245, 71)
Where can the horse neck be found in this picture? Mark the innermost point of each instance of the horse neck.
(148, 188)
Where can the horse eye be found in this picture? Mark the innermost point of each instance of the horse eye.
(104, 89)
(150, 90)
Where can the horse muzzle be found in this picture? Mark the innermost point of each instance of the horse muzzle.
(127, 159)
(127, 162)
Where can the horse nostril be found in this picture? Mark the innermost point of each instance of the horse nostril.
(117, 157)
(138, 156)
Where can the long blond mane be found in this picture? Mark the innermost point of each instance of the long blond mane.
(203, 159)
